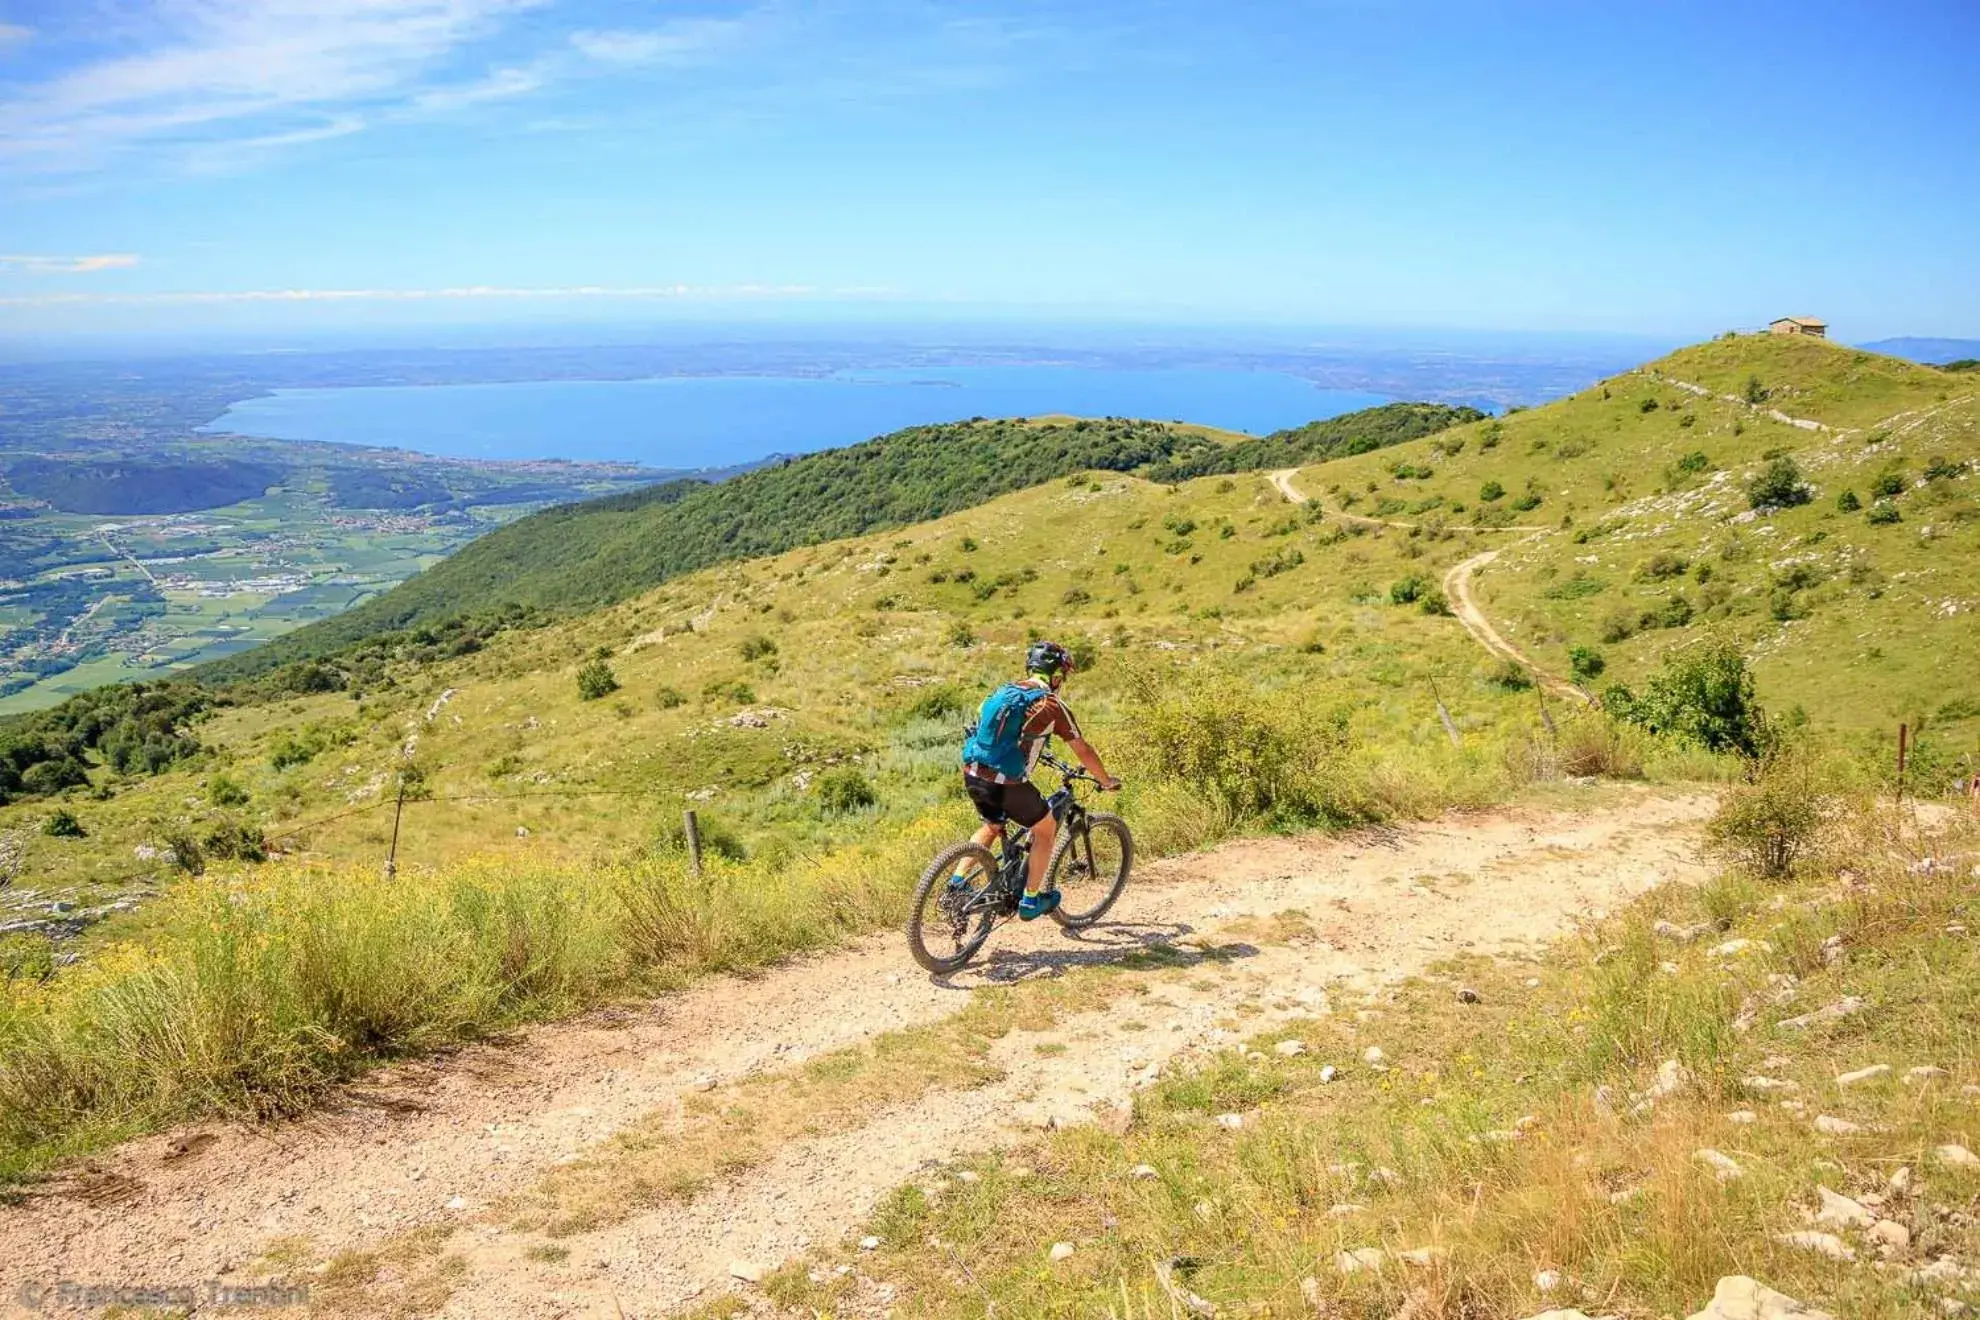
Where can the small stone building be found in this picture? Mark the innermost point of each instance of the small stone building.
(1799, 325)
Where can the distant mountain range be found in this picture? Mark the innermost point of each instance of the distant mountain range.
(1934, 351)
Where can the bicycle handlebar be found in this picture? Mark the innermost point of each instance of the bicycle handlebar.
(1071, 772)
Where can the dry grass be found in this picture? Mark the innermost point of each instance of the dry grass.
(1614, 1201)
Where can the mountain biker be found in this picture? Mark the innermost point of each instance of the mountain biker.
(998, 756)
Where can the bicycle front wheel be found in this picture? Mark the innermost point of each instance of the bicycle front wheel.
(952, 914)
(1089, 868)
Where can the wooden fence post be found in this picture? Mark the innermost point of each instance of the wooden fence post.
(1904, 743)
(1450, 725)
(398, 810)
(693, 831)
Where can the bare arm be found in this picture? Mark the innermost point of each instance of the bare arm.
(1091, 760)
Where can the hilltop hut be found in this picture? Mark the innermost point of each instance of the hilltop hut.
(1799, 325)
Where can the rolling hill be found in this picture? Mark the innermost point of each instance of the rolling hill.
(582, 556)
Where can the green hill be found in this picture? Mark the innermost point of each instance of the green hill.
(582, 556)
(1316, 442)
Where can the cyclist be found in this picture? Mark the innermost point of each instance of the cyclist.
(998, 756)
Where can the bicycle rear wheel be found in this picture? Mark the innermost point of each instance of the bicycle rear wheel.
(1089, 868)
(950, 920)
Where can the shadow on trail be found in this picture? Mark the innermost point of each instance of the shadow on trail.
(1128, 945)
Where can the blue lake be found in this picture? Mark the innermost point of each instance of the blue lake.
(715, 421)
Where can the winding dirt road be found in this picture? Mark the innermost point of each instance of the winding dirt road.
(1457, 590)
(410, 1183)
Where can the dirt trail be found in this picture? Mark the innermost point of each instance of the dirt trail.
(1457, 590)
(435, 1144)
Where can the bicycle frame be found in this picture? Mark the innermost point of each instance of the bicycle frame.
(1014, 857)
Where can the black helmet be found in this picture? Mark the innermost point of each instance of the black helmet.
(1049, 659)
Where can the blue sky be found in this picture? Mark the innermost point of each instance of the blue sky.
(1665, 168)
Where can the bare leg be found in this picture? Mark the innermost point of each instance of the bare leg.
(1043, 835)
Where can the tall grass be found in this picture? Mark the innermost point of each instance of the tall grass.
(255, 991)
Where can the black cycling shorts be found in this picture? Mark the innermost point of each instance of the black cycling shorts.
(997, 802)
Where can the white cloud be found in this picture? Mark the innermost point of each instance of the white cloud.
(46, 265)
(245, 70)
(684, 292)
(676, 42)
(499, 85)
(13, 34)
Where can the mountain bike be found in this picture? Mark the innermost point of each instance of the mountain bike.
(968, 890)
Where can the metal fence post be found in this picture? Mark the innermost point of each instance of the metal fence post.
(693, 830)
(398, 810)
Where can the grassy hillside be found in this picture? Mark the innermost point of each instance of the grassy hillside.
(579, 557)
(1858, 607)
(1254, 665)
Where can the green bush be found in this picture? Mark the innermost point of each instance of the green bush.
(595, 679)
(1662, 566)
(1769, 826)
(1703, 696)
(1883, 513)
(1941, 468)
(1888, 483)
(669, 697)
(1779, 486)
(1585, 662)
(1527, 502)
(1409, 590)
(717, 838)
(1490, 491)
(1510, 675)
(1693, 463)
(61, 823)
(1433, 602)
(940, 702)
(236, 840)
(224, 792)
(844, 789)
(1847, 502)
(1247, 753)
(732, 690)
(1755, 392)
(756, 647)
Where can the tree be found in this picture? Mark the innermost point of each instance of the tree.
(1779, 486)
(596, 679)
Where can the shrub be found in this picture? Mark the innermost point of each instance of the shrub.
(733, 691)
(1661, 566)
(1433, 602)
(1693, 463)
(669, 697)
(1847, 502)
(224, 792)
(1490, 491)
(1527, 502)
(844, 789)
(756, 647)
(1409, 590)
(1075, 596)
(595, 679)
(62, 824)
(1248, 753)
(1703, 696)
(1941, 468)
(960, 635)
(1755, 392)
(1648, 405)
(1510, 675)
(1887, 484)
(940, 702)
(1768, 827)
(47, 778)
(1576, 587)
(234, 839)
(1618, 627)
(717, 838)
(967, 545)
(1674, 612)
(1593, 744)
(1779, 486)
(1586, 662)
(183, 851)
(1282, 560)
(1883, 513)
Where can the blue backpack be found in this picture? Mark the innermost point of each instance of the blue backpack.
(996, 740)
